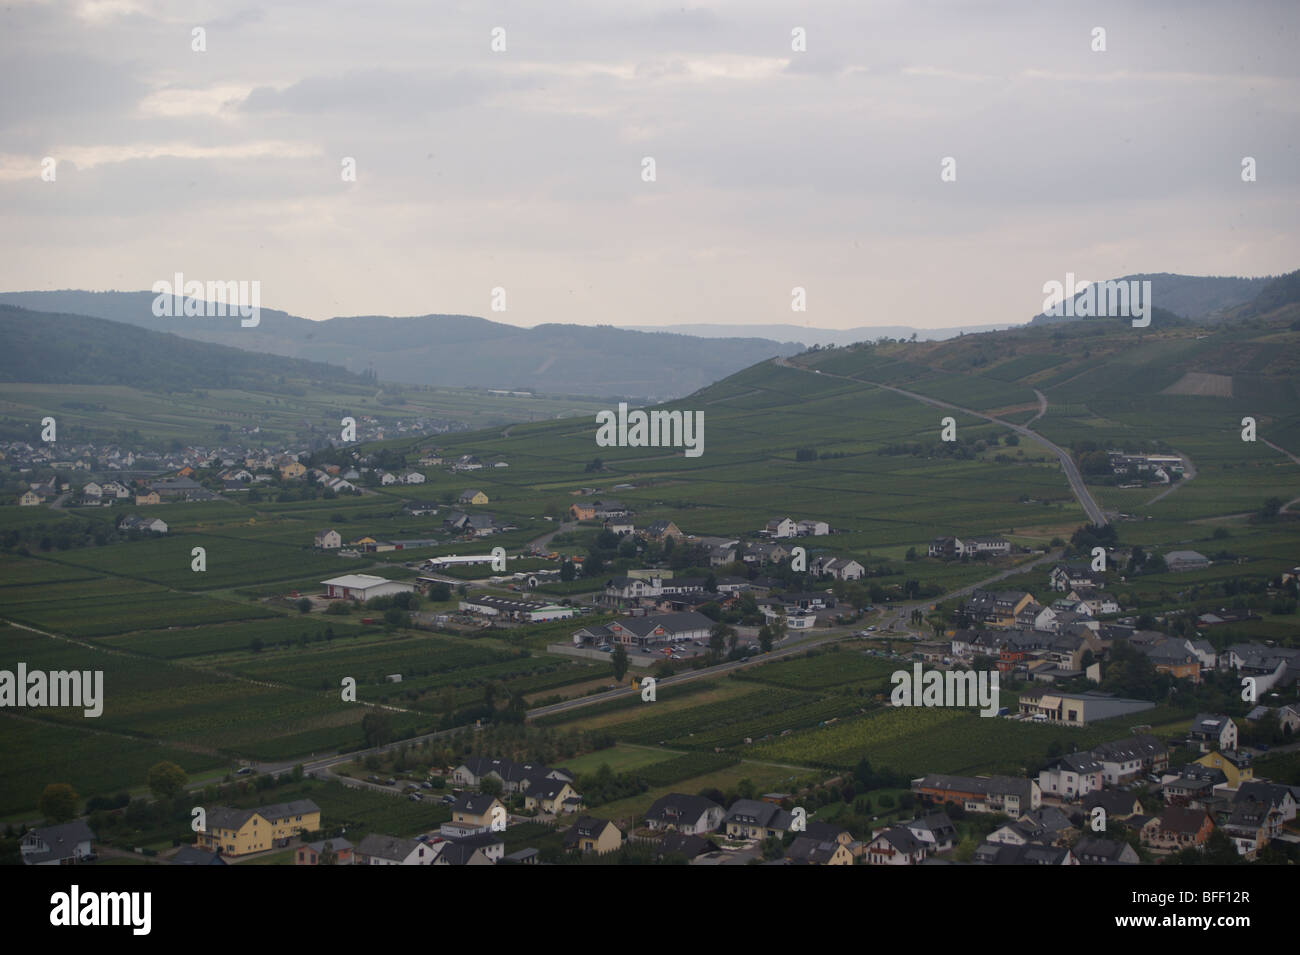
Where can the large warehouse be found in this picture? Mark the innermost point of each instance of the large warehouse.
(363, 587)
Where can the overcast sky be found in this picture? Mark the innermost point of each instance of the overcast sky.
(523, 169)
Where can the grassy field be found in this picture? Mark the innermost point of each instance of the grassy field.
(213, 666)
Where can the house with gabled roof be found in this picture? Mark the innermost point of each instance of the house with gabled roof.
(682, 844)
(808, 850)
(662, 530)
(755, 819)
(589, 834)
(1093, 850)
(1032, 853)
(312, 852)
(378, 849)
(895, 846)
(1072, 776)
(935, 830)
(1123, 760)
(1275, 795)
(1213, 731)
(234, 832)
(65, 844)
(694, 815)
(1179, 827)
(480, 848)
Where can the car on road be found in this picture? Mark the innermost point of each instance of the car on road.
(390, 781)
(447, 799)
(415, 797)
(245, 771)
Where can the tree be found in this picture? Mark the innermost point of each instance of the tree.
(327, 855)
(566, 570)
(618, 660)
(718, 637)
(304, 605)
(167, 780)
(376, 728)
(59, 802)
(765, 638)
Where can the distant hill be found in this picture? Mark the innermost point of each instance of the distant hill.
(809, 336)
(47, 348)
(1195, 297)
(458, 350)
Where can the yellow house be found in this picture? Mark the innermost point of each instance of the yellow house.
(553, 796)
(150, 498)
(473, 497)
(294, 469)
(476, 809)
(1237, 774)
(236, 832)
(593, 835)
(29, 499)
(1006, 608)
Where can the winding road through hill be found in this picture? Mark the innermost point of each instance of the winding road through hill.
(1081, 492)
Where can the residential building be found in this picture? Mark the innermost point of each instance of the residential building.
(693, 815)
(311, 853)
(235, 832)
(377, 849)
(588, 834)
(1213, 731)
(65, 844)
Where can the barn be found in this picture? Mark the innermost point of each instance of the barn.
(363, 587)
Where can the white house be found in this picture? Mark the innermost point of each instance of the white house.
(813, 528)
(385, 478)
(413, 477)
(328, 539)
(843, 568)
(1072, 777)
(692, 815)
(64, 844)
(782, 527)
(1213, 731)
(376, 849)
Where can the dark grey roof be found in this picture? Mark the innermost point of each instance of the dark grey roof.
(679, 807)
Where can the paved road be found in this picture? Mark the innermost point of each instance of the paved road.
(1081, 492)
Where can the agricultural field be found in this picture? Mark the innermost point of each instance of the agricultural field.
(916, 741)
(94, 763)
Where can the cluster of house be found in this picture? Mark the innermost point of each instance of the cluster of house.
(1050, 643)
(1157, 467)
(663, 609)
(473, 834)
(954, 548)
(1055, 818)
(779, 527)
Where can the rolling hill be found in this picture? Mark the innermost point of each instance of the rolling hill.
(455, 350)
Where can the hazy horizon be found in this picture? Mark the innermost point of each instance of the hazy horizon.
(522, 169)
